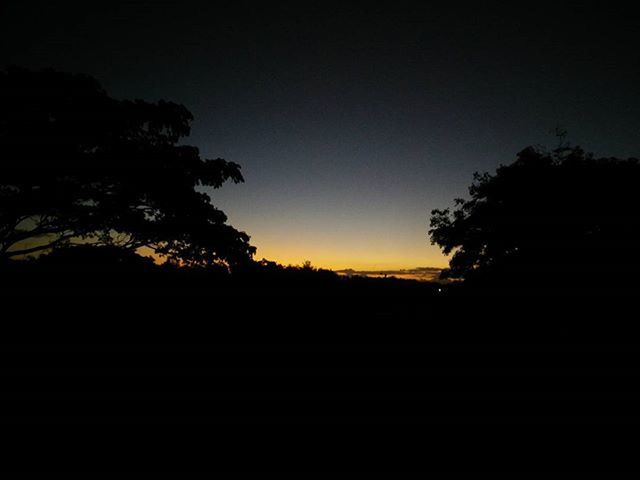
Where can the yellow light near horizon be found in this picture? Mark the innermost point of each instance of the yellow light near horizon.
(364, 259)
(340, 255)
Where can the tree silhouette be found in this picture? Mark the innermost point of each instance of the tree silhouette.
(79, 166)
(562, 218)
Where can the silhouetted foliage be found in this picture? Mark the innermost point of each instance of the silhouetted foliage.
(79, 166)
(92, 259)
(561, 219)
(109, 269)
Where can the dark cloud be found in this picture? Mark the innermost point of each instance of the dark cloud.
(425, 274)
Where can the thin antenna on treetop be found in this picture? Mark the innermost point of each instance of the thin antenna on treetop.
(561, 134)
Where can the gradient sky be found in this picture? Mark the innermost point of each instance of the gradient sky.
(352, 122)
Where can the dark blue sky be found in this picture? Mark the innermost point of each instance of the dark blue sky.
(353, 122)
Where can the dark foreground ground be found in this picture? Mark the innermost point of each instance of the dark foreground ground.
(312, 379)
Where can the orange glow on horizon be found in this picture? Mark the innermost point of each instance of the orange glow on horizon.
(340, 259)
(334, 260)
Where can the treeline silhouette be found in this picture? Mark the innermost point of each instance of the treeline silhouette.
(92, 269)
(89, 180)
(97, 334)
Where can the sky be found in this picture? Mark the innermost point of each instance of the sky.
(353, 121)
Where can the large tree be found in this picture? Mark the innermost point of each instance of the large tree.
(78, 166)
(552, 217)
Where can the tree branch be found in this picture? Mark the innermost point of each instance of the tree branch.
(38, 248)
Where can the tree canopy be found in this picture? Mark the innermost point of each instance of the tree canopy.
(562, 217)
(79, 166)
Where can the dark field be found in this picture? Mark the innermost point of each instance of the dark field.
(287, 373)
